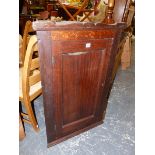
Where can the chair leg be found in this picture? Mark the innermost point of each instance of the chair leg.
(31, 116)
(126, 55)
(21, 130)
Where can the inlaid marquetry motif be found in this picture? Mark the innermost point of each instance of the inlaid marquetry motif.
(74, 35)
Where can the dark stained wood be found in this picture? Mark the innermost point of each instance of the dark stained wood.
(73, 134)
(117, 11)
(120, 11)
(76, 63)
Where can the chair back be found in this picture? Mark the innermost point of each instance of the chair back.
(130, 15)
(28, 28)
(121, 10)
(31, 72)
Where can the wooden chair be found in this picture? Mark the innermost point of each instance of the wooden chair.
(20, 50)
(124, 12)
(30, 83)
(96, 13)
(26, 36)
(118, 13)
(127, 48)
(79, 9)
(21, 129)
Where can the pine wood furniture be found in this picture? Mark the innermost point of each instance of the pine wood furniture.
(30, 83)
(28, 28)
(20, 50)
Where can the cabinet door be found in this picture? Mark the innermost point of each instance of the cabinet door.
(79, 72)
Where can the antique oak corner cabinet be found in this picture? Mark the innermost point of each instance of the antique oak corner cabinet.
(76, 63)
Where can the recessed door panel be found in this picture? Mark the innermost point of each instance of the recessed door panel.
(80, 74)
(81, 81)
(78, 83)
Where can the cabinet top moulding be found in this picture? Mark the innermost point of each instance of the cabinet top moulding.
(73, 25)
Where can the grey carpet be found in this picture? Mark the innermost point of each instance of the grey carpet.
(116, 136)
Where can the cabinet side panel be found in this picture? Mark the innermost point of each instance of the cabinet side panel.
(45, 57)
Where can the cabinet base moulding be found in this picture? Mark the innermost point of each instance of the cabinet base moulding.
(74, 134)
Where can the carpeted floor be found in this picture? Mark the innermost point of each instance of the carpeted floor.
(116, 136)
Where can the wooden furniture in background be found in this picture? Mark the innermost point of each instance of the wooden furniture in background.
(121, 8)
(78, 9)
(127, 49)
(43, 15)
(30, 83)
(88, 13)
(126, 53)
(20, 50)
(22, 22)
(76, 62)
(117, 12)
(32, 9)
(52, 8)
(26, 37)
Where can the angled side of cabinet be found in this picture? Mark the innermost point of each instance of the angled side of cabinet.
(76, 67)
